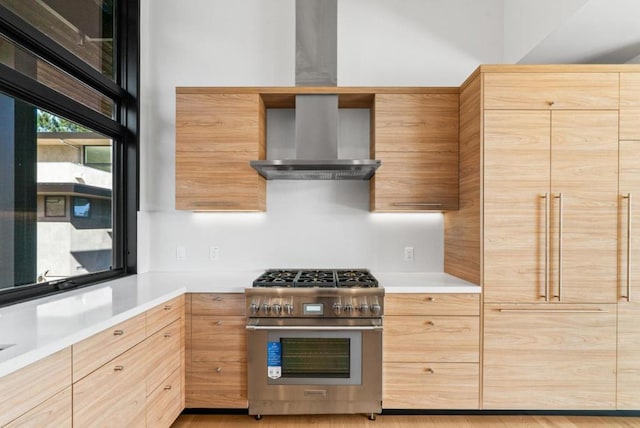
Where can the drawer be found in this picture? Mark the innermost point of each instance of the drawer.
(164, 405)
(431, 386)
(217, 385)
(163, 354)
(432, 304)
(55, 412)
(52, 374)
(102, 347)
(164, 314)
(218, 338)
(551, 91)
(217, 304)
(115, 392)
(431, 339)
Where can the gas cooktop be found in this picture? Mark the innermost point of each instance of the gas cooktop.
(331, 278)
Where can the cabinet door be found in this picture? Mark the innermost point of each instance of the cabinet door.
(54, 412)
(216, 136)
(630, 106)
(550, 356)
(516, 180)
(584, 169)
(629, 311)
(220, 338)
(416, 138)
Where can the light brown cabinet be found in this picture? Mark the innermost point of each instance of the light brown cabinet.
(549, 357)
(217, 134)
(629, 291)
(54, 412)
(431, 351)
(550, 206)
(416, 138)
(22, 402)
(216, 346)
(630, 106)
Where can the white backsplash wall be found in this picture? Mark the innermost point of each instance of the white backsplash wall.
(251, 43)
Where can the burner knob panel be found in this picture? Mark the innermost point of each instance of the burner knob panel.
(276, 308)
(364, 308)
(376, 309)
(337, 308)
(348, 307)
(266, 308)
(288, 308)
(254, 308)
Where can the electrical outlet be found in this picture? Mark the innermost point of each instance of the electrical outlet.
(181, 253)
(214, 253)
(408, 254)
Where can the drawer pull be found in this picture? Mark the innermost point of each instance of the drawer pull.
(167, 335)
(431, 323)
(430, 299)
(550, 103)
(217, 299)
(429, 370)
(167, 387)
(118, 332)
(118, 368)
(218, 369)
(167, 307)
(218, 322)
(416, 204)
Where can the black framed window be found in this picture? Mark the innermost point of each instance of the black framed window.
(69, 146)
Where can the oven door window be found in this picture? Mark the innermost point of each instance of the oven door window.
(319, 358)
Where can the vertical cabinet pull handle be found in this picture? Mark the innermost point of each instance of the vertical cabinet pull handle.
(628, 198)
(546, 246)
(560, 200)
(118, 332)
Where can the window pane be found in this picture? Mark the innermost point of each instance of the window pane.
(98, 157)
(30, 65)
(83, 27)
(57, 211)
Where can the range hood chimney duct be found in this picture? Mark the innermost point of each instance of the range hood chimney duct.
(316, 122)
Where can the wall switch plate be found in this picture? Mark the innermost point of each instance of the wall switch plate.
(181, 253)
(214, 253)
(408, 254)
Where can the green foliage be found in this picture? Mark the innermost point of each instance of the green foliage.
(50, 123)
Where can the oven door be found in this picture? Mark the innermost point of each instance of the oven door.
(314, 366)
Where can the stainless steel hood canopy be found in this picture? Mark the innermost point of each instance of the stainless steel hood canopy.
(316, 122)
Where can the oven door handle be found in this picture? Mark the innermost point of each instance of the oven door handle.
(316, 328)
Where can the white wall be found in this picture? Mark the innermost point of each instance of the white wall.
(251, 43)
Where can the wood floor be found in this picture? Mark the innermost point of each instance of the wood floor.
(393, 421)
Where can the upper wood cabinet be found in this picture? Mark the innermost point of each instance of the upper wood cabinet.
(630, 106)
(555, 91)
(416, 138)
(217, 134)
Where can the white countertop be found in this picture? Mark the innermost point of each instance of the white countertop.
(41, 327)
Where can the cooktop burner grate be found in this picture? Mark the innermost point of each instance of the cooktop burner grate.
(341, 278)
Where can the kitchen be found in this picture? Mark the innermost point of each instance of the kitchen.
(306, 224)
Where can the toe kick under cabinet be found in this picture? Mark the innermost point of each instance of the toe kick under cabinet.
(431, 351)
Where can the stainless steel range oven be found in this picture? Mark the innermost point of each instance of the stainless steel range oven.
(314, 343)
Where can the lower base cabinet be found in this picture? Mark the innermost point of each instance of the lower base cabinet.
(218, 384)
(549, 357)
(431, 386)
(628, 393)
(164, 404)
(55, 412)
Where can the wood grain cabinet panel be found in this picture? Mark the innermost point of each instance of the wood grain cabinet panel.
(164, 354)
(164, 405)
(217, 304)
(221, 338)
(432, 304)
(51, 375)
(115, 392)
(551, 91)
(218, 384)
(431, 339)
(416, 138)
(93, 352)
(430, 386)
(216, 137)
(550, 356)
(630, 106)
(55, 412)
(164, 314)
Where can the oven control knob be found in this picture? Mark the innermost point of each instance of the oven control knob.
(348, 307)
(266, 308)
(276, 308)
(288, 308)
(254, 308)
(337, 308)
(376, 309)
(364, 308)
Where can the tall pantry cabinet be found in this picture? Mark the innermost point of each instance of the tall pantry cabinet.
(539, 227)
(628, 290)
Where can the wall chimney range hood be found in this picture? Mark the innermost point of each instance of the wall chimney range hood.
(316, 116)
